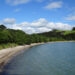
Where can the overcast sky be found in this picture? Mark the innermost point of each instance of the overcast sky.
(35, 16)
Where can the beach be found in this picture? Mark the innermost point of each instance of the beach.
(7, 54)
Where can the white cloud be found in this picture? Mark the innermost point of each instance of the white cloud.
(9, 21)
(41, 25)
(24, 24)
(17, 2)
(43, 29)
(54, 5)
(29, 30)
(59, 26)
(71, 18)
(38, 26)
(16, 27)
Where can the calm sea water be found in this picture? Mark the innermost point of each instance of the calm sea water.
(46, 59)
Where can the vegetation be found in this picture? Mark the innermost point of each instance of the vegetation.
(11, 37)
(2, 46)
(73, 28)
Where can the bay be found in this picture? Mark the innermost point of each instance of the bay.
(48, 59)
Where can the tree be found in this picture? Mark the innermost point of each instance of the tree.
(73, 28)
(2, 27)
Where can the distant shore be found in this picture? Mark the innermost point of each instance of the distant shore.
(7, 54)
(60, 41)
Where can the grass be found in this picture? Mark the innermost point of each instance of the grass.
(68, 32)
(3, 46)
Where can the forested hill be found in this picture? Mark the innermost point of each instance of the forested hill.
(58, 35)
(20, 37)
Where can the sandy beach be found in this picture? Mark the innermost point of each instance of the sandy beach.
(7, 54)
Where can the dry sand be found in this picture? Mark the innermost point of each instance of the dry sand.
(7, 54)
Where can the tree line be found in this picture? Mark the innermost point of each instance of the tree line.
(20, 37)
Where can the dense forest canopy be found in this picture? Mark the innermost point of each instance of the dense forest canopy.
(20, 37)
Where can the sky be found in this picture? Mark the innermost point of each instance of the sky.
(37, 16)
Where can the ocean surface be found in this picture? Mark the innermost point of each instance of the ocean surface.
(48, 59)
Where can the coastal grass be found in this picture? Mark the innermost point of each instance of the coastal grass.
(3, 46)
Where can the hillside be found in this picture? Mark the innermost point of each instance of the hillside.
(11, 37)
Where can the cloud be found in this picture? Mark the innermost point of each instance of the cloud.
(30, 30)
(71, 18)
(41, 25)
(43, 29)
(17, 2)
(24, 24)
(37, 26)
(59, 26)
(8, 21)
(16, 27)
(54, 5)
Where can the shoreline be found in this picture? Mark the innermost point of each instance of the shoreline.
(59, 41)
(7, 54)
